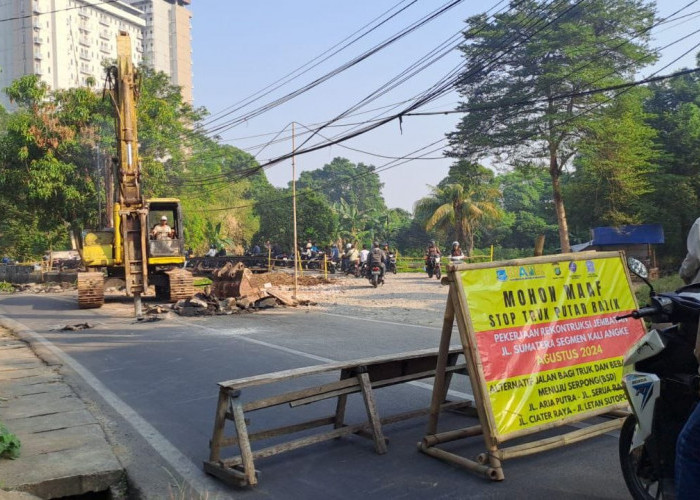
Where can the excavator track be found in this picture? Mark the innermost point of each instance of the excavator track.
(181, 284)
(91, 290)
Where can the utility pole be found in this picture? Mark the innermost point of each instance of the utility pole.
(294, 214)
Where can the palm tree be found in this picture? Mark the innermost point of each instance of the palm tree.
(458, 210)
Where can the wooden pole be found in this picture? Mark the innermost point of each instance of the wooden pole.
(294, 215)
(539, 245)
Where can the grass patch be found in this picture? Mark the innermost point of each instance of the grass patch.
(202, 282)
(6, 287)
(9, 444)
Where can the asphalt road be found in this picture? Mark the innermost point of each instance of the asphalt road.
(155, 385)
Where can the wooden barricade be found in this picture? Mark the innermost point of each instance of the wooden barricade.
(543, 349)
(356, 376)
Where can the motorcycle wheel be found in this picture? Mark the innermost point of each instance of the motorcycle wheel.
(637, 469)
(394, 270)
(375, 280)
(438, 273)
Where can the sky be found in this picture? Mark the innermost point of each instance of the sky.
(240, 48)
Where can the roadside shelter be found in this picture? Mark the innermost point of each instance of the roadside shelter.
(636, 240)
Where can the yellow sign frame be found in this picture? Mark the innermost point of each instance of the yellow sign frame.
(591, 268)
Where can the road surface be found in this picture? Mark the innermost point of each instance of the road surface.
(155, 385)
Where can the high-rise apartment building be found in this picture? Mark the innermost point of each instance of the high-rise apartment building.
(65, 42)
(167, 40)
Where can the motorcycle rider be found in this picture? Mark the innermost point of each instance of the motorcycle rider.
(431, 251)
(688, 444)
(352, 257)
(387, 251)
(456, 254)
(376, 258)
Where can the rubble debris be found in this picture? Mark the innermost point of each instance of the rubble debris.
(266, 303)
(79, 326)
(234, 289)
(149, 319)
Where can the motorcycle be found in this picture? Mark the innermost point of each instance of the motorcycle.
(662, 386)
(391, 263)
(353, 268)
(432, 266)
(374, 274)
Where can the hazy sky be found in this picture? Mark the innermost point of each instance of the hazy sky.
(239, 48)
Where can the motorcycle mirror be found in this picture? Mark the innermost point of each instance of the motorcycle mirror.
(638, 268)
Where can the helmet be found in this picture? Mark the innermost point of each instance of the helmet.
(455, 243)
(432, 243)
(308, 245)
(348, 246)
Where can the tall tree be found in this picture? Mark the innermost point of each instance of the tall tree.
(458, 210)
(357, 184)
(524, 73)
(613, 169)
(675, 114)
(46, 177)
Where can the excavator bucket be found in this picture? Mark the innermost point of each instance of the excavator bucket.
(234, 280)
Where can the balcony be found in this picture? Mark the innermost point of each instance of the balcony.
(38, 55)
(104, 34)
(37, 39)
(85, 40)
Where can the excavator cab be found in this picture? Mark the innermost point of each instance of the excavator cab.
(164, 249)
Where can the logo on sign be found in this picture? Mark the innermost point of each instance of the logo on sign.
(590, 266)
(501, 275)
(572, 266)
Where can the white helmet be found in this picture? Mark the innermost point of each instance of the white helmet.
(348, 246)
(455, 243)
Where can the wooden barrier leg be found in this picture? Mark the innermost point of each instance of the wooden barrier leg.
(371, 407)
(441, 383)
(341, 404)
(243, 441)
(219, 423)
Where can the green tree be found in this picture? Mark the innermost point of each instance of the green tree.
(528, 207)
(675, 115)
(357, 184)
(523, 78)
(316, 220)
(458, 210)
(613, 169)
(47, 183)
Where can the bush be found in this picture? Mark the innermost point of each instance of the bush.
(9, 444)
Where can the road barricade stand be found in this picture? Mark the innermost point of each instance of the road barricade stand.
(543, 349)
(356, 376)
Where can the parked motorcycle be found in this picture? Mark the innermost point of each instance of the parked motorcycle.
(374, 274)
(432, 266)
(661, 384)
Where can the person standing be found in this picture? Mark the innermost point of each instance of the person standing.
(688, 445)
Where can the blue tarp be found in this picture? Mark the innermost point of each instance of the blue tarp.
(628, 235)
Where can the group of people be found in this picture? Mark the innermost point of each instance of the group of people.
(434, 251)
(379, 255)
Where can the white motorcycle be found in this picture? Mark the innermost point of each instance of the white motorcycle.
(661, 383)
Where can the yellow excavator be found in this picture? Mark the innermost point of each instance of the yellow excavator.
(128, 250)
